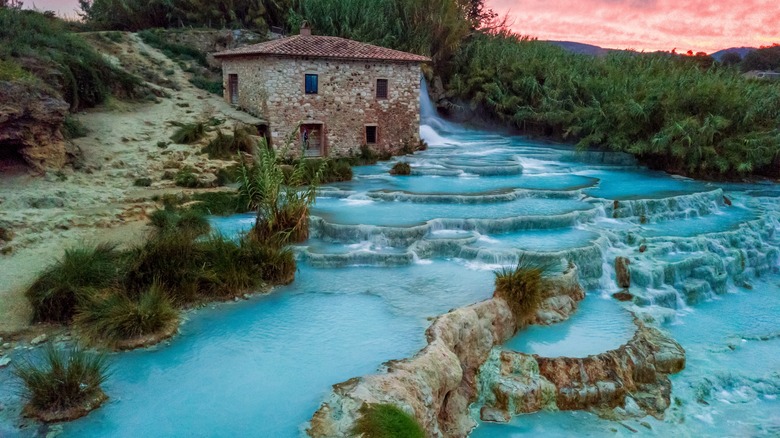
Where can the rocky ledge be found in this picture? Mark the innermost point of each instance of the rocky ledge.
(30, 121)
(438, 385)
(629, 381)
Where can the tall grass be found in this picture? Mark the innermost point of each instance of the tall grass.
(64, 380)
(386, 421)
(189, 133)
(522, 287)
(77, 275)
(114, 316)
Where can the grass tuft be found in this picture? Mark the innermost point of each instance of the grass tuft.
(522, 287)
(56, 293)
(386, 421)
(189, 133)
(226, 146)
(65, 380)
(113, 317)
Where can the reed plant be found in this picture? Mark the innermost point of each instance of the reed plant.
(281, 200)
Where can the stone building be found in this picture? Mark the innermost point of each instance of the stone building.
(326, 95)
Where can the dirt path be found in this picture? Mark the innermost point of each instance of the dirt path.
(99, 202)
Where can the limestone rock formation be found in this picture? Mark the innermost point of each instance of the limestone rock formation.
(30, 120)
(438, 385)
(634, 374)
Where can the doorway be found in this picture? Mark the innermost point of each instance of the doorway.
(312, 137)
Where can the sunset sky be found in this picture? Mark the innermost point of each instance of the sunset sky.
(697, 25)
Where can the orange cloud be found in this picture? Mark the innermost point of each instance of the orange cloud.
(698, 25)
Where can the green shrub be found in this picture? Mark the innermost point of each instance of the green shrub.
(218, 203)
(225, 146)
(64, 380)
(61, 287)
(186, 177)
(401, 168)
(337, 170)
(157, 39)
(114, 316)
(189, 133)
(143, 182)
(72, 128)
(227, 175)
(204, 83)
(367, 155)
(522, 287)
(171, 219)
(386, 421)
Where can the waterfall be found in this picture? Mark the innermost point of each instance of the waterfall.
(431, 124)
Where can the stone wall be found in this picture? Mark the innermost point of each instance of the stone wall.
(273, 89)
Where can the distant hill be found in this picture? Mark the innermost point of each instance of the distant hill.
(742, 51)
(581, 48)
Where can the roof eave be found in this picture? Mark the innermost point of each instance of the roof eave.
(337, 58)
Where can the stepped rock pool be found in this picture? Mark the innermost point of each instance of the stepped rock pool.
(388, 254)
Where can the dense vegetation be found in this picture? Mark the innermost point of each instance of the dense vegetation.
(38, 49)
(664, 109)
(133, 15)
(765, 58)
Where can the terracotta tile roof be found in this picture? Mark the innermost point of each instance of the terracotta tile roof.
(316, 46)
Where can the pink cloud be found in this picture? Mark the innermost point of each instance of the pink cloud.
(699, 25)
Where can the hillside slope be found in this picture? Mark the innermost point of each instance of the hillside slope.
(95, 199)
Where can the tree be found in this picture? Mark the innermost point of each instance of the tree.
(731, 58)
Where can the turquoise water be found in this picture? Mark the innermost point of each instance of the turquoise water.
(599, 325)
(352, 211)
(365, 295)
